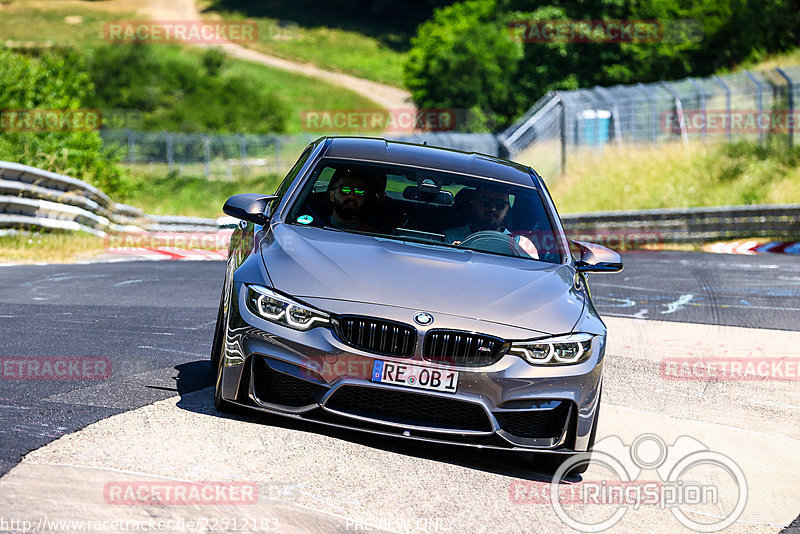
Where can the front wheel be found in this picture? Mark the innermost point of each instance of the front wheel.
(221, 404)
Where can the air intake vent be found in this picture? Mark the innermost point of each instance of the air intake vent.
(409, 408)
(378, 336)
(462, 348)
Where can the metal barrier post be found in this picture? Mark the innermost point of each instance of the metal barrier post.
(653, 117)
(702, 95)
(170, 151)
(727, 105)
(759, 103)
(563, 127)
(790, 111)
(207, 156)
(678, 112)
(131, 147)
(243, 155)
(277, 142)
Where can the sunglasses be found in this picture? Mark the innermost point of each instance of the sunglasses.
(348, 190)
(499, 203)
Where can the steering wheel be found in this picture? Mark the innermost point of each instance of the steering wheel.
(493, 241)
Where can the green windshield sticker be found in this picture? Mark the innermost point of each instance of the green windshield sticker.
(305, 219)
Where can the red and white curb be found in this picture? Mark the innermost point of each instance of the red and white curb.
(754, 247)
(168, 253)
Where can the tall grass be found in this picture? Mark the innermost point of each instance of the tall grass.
(163, 193)
(677, 175)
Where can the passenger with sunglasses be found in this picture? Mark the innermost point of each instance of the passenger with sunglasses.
(348, 194)
(489, 209)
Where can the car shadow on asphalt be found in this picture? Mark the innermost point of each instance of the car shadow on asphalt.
(195, 385)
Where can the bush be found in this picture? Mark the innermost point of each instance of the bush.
(57, 80)
(183, 94)
(464, 58)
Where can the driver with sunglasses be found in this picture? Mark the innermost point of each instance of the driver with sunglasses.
(348, 194)
(489, 211)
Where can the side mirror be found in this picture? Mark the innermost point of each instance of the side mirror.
(597, 259)
(249, 207)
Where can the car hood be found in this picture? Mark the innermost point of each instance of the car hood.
(315, 263)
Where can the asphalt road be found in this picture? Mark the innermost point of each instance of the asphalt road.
(733, 290)
(154, 322)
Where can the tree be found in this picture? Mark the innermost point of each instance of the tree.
(464, 58)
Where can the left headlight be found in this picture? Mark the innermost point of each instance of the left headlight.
(282, 310)
(559, 350)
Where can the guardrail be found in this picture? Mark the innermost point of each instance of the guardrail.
(31, 197)
(686, 225)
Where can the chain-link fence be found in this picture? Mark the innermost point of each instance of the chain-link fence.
(224, 156)
(744, 105)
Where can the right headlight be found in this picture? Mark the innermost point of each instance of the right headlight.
(560, 350)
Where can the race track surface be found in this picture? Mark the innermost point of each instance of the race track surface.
(154, 321)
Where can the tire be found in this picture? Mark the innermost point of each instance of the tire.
(216, 362)
(221, 404)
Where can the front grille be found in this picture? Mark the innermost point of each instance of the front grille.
(409, 408)
(378, 336)
(279, 388)
(546, 424)
(462, 348)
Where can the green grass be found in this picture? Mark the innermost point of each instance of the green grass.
(332, 49)
(677, 176)
(160, 193)
(301, 93)
(54, 247)
(763, 63)
(36, 23)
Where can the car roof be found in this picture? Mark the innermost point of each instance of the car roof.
(445, 159)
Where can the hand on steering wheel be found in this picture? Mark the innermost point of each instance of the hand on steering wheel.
(493, 241)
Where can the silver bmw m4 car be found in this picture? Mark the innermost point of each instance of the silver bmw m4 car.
(417, 292)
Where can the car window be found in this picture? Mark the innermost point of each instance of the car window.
(283, 188)
(421, 205)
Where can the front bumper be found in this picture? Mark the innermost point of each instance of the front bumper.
(315, 376)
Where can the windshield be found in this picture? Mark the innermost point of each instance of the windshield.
(421, 205)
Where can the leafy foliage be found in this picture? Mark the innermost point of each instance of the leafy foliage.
(463, 58)
(56, 80)
(447, 65)
(180, 94)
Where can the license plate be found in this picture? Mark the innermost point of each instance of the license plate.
(415, 376)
